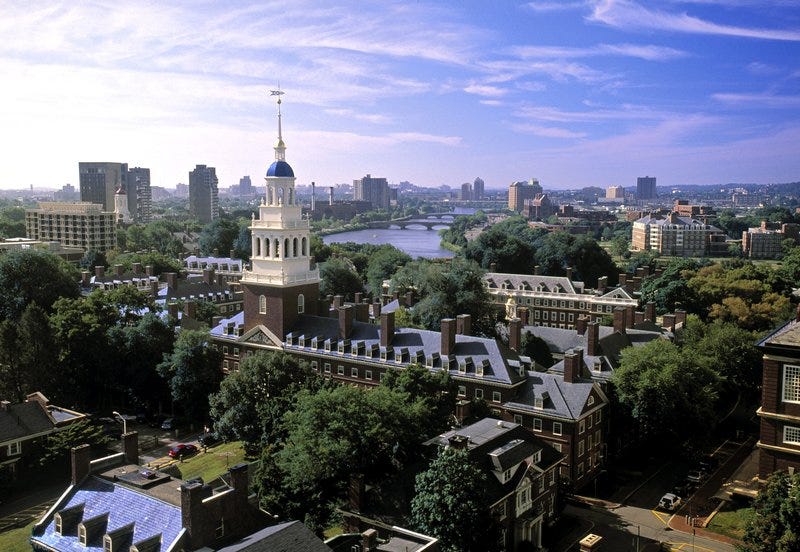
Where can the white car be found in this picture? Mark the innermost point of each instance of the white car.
(669, 502)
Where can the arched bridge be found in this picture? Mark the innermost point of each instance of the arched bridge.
(428, 224)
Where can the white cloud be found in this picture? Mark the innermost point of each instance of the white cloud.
(758, 100)
(548, 132)
(485, 90)
(555, 6)
(643, 51)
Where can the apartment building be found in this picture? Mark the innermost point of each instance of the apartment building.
(84, 225)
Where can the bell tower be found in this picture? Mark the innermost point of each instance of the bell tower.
(281, 284)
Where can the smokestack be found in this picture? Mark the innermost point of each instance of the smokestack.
(448, 345)
(313, 197)
(330, 195)
(515, 334)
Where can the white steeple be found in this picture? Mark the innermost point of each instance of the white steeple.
(121, 206)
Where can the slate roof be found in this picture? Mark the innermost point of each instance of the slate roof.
(560, 340)
(196, 286)
(787, 336)
(24, 420)
(291, 536)
(234, 265)
(123, 505)
(564, 400)
(555, 284)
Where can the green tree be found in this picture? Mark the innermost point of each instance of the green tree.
(508, 245)
(450, 503)
(92, 259)
(382, 264)
(671, 289)
(161, 263)
(669, 392)
(219, 235)
(339, 277)
(34, 276)
(54, 451)
(193, 372)
(436, 390)
(775, 523)
(252, 401)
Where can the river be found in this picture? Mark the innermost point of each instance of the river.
(417, 242)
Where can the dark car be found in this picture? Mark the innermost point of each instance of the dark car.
(209, 439)
(708, 463)
(179, 451)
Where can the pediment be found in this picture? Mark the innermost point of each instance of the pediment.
(262, 336)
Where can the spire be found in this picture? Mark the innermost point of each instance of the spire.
(280, 147)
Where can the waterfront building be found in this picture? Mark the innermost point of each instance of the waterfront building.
(646, 187)
(85, 225)
(372, 189)
(203, 194)
(677, 236)
(100, 181)
(519, 192)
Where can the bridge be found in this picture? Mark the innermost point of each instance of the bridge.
(435, 221)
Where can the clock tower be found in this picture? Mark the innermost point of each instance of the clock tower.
(281, 284)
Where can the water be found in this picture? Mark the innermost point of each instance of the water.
(415, 242)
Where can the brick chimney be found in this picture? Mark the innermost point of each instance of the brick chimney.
(464, 324)
(86, 278)
(593, 338)
(5, 406)
(524, 315)
(376, 309)
(361, 312)
(622, 279)
(409, 298)
(680, 317)
(569, 273)
(448, 345)
(357, 492)
(130, 447)
(345, 321)
(172, 310)
(80, 463)
(193, 516)
(537, 270)
(638, 317)
(358, 297)
(581, 324)
(231, 254)
(650, 311)
(637, 283)
(515, 334)
(118, 270)
(208, 276)
(387, 328)
(148, 270)
(619, 320)
(100, 271)
(573, 363)
(240, 483)
(602, 284)
(190, 309)
(668, 322)
(458, 442)
(137, 268)
(172, 279)
(630, 314)
(338, 301)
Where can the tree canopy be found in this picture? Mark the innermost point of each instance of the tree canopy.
(339, 277)
(775, 523)
(34, 276)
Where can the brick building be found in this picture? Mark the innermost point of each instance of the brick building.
(678, 236)
(763, 242)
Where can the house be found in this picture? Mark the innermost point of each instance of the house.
(25, 423)
(779, 439)
(229, 269)
(208, 287)
(523, 473)
(113, 504)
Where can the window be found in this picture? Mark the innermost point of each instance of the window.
(597, 437)
(791, 383)
(479, 393)
(462, 391)
(225, 365)
(556, 428)
(314, 365)
(340, 370)
(556, 446)
(541, 484)
(301, 304)
(551, 476)
(580, 448)
(589, 419)
(354, 372)
(106, 543)
(14, 448)
(262, 304)
(524, 497)
(496, 396)
(82, 534)
(546, 315)
(563, 304)
(220, 530)
(597, 417)
(368, 374)
(536, 315)
(791, 435)
(236, 366)
(581, 427)
(500, 511)
(517, 419)
(590, 400)
(538, 402)
(537, 424)
(580, 469)
(58, 524)
(224, 349)
(236, 351)
(327, 367)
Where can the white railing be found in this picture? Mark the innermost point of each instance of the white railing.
(279, 224)
(281, 279)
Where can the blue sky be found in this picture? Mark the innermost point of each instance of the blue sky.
(575, 93)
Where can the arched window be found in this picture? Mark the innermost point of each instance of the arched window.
(305, 247)
(258, 247)
(301, 304)
(277, 248)
(294, 247)
(266, 247)
(285, 248)
(262, 304)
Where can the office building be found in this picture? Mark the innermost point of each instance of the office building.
(66, 193)
(140, 195)
(466, 192)
(646, 187)
(85, 225)
(615, 192)
(478, 189)
(521, 191)
(374, 190)
(100, 181)
(203, 194)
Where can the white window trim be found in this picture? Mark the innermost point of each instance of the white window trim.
(15, 448)
(787, 368)
(788, 439)
(559, 432)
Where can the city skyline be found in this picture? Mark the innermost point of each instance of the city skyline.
(573, 93)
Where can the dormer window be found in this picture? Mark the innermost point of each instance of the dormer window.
(82, 534)
(590, 400)
(59, 525)
(219, 532)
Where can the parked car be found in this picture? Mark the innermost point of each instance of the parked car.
(683, 489)
(708, 463)
(695, 475)
(172, 423)
(669, 502)
(209, 439)
(179, 451)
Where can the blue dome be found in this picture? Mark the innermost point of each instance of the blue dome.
(280, 168)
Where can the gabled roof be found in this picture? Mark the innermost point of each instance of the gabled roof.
(24, 420)
(554, 284)
(565, 400)
(291, 536)
(198, 287)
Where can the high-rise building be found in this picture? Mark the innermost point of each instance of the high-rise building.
(100, 181)
(615, 192)
(203, 194)
(246, 186)
(646, 187)
(466, 192)
(478, 189)
(374, 190)
(66, 193)
(140, 196)
(85, 225)
(518, 192)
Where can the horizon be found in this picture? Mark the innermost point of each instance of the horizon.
(576, 94)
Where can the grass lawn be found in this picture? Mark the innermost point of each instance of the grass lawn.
(210, 465)
(16, 540)
(730, 521)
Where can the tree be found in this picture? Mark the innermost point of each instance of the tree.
(339, 277)
(193, 372)
(218, 235)
(54, 451)
(161, 263)
(382, 264)
(508, 245)
(34, 276)
(671, 289)
(669, 392)
(775, 523)
(436, 390)
(450, 503)
(252, 401)
(92, 259)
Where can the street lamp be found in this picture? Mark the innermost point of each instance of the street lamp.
(123, 420)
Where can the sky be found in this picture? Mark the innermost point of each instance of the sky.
(574, 93)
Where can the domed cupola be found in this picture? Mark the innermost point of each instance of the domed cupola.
(280, 168)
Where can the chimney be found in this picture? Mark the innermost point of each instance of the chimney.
(680, 317)
(118, 270)
(580, 327)
(80, 463)
(524, 315)
(358, 297)
(5, 406)
(148, 270)
(361, 312)
(640, 272)
(86, 278)
(357, 492)
(623, 280)
(492, 267)
(448, 332)
(536, 270)
(330, 195)
(458, 442)
(100, 271)
(313, 197)
(515, 334)
(464, 324)
(376, 309)
(369, 540)
(345, 321)
(602, 284)
(190, 309)
(240, 483)
(387, 328)
(172, 279)
(172, 310)
(637, 283)
(192, 512)
(215, 253)
(630, 313)
(220, 279)
(569, 273)
(573, 363)
(231, 254)
(619, 320)
(338, 301)
(650, 311)
(130, 447)
(208, 276)
(137, 268)
(409, 298)
(638, 318)
(668, 322)
(593, 338)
